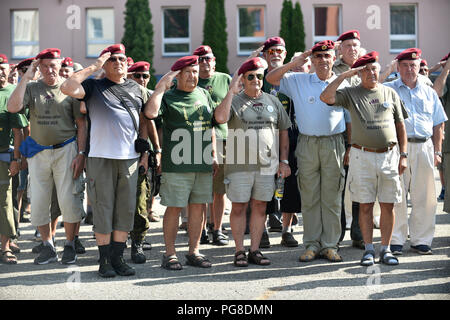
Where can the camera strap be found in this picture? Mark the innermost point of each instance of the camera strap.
(117, 91)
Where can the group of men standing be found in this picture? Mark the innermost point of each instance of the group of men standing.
(233, 136)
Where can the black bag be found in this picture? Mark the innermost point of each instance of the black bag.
(140, 145)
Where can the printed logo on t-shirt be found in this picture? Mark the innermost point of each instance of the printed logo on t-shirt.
(311, 99)
(270, 108)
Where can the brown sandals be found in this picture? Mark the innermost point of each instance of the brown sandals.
(8, 258)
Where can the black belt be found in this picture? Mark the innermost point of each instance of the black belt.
(418, 140)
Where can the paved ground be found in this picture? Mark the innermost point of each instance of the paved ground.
(417, 277)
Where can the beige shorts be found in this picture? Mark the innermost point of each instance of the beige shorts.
(112, 186)
(374, 175)
(52, 167)
(178, 189)
(243, 186)
(218, 185)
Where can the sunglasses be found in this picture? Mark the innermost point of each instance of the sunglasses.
(273, 51)
(207, 59)
(250, 77)
(24, 69)
(322, 55)
(114, 59)
(141, 75)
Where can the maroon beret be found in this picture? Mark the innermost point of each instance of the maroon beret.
(3, 58)
(446, 57)
(351, 34)
(130, 61)
(114, 49)
(184, 62)
(50, 53)
(251, 64)
(140, 66)
(67, 62)
(323, 46)
(24, 63)
(409, 54)
(274, 41)
(423, 63)
(202, 50)
(365, 59)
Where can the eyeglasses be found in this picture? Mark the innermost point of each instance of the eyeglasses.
(207, 59)
(322, 55)
(120, 58)
(139, 75)
(272, 51)
(250, 77)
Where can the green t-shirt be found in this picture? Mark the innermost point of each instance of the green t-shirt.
(8, 120)
(446, 104)
(187, 125)
(52, 113)
(340, 67)
(374, 114)
(253, 128)
(217, 86)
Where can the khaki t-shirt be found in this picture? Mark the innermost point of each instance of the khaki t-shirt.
(374, 114)
(340, 67)
(253, 128)
(52, 113)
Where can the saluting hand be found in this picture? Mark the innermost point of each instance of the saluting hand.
(101, 60)
(301, 59)
(235, 87)
(256, 53)
(166, 81)
(32, 71)
(350, 73)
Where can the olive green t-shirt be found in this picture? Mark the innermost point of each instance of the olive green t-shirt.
(217, 86)
(340, 67)
(187, 125)
(446, 104)
(374, 114)
(8, 120)
(52, 113)
(253, 128)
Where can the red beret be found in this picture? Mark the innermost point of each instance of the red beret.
(130, 61)
(184, 62)
(409, 54)
(274, 41)
(323, 46)
(202, 50)
(446, 57)
(114, 49)
(67, 62)
(251, 64)
(24, 63)
(423, 63)
(365, 59)
(50, 53)
(3, 58)
(351, 34)
(140, 66)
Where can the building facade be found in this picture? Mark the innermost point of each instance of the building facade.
(82, 28)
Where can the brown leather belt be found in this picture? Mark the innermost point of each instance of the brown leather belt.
(418, 140)
(381, 150)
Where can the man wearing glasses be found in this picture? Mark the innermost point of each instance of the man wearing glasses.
(320, 150)
(113, 161)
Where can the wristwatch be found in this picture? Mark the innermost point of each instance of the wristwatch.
(158, 150)
(82, 153)
(404, 154)
(285, 161)
(438, 153)
(18, 160)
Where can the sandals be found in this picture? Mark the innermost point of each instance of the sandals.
(240, 259)
(8, 258)
(368, 258)
(308, 256)
(198, 260)
(171, 263)
(256, 257)
(386, 257)
(331, 255)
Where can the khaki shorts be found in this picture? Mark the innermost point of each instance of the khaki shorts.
(218, 185)
(374, 175)
(178, 189)
(243, 186)
(7, 226)
(112, 186)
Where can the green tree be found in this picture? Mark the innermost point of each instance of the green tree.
(286, 25)
(298, 30)
(214, 32)
(138, 35)
(292, 28)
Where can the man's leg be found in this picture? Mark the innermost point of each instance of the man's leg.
(257, 220)
(387, 220)
(196, 220)
(366, 222)
(237, 222)
(170, 229)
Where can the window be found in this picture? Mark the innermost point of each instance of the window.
(403, 27)
(100, 31)
(327, 23)
(25, 33)
(176, 34)
(251, 29)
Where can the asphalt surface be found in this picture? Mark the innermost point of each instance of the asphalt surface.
(416, 277)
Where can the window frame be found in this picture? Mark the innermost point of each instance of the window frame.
(402, 36)
(106, 42)
(315, 38)
(22, 43)
(186, 40)
(240, 39)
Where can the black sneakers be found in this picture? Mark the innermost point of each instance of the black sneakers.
(69, 255)
(47, 255)
(219, 239)
(121, 268)
(106, 270)
(137, 252)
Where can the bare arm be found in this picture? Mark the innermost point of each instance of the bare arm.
(153, 104)
(15, 102)
(439, 83)
(284, 169)
(222, 112)
(438, 135)
(274, 77)
(389, 69)
(79, 160)
(328, 96)
(72, 86)
(14, 166)
(402, 144)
